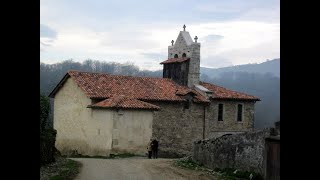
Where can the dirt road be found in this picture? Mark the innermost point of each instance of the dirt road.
(136, 168)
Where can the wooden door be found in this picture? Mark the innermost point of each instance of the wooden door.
(272, 159)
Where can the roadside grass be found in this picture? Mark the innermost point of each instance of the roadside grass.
(230, 174)
(222, 174)
(68, 170)
(189, 164)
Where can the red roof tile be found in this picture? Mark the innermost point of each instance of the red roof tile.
(198, 98)
(100, 85)
(183, 91)
(223, 93)
(124, 102)
(106, 86)
(175, 60)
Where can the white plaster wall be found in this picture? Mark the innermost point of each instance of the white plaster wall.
(97, 131)
(79, 128)
(132, 131)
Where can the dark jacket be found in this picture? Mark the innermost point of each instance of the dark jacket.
(149, 146)
(155, 145)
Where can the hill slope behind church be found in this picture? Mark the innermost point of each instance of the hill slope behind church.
(269, 66)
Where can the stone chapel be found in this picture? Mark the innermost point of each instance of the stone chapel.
(99, 113)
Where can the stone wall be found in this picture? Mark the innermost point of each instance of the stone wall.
(194, 66)
(243, 151)
(229, 125)
(180, 46)
(177, 128)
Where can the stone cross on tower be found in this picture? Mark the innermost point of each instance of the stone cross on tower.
(186, 72)
(196, 38)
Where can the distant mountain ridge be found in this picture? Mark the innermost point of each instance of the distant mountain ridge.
(269, 66)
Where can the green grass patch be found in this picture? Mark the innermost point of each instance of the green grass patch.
(189, 164)
(233, 174)
(67, 171)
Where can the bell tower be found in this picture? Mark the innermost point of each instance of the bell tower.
(183, 63)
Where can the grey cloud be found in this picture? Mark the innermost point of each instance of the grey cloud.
(44, 44)
(212, 38)
(260, 51)
(215, 62)
(46, 31)
(155, 56)
(265, 15)
(128, 39)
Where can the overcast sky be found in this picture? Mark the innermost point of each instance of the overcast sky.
(231, 32)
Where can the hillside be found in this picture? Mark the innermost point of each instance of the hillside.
(269, 66)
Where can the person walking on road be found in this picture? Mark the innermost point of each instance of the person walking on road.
(149, 148)
(154, 146)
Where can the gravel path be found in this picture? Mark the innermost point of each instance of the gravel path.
(136, 168)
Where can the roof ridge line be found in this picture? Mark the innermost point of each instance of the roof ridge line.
(119, 75)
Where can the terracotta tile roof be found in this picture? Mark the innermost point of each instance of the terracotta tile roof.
(198, 98)
(175, 60)
(139, 89)
(223, 93)
(124, 102)
(184, 91)
(100, 85)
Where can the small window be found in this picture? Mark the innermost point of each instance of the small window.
(176, 56)
(239, 116)
(186, 104)
(184, 55)
(220, 112)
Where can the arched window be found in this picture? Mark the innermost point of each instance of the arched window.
(176, 56)
(184, 55)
